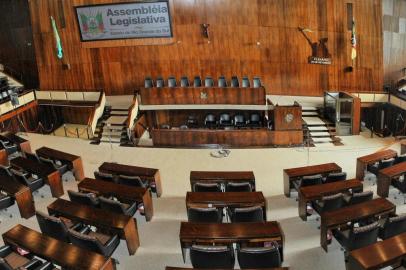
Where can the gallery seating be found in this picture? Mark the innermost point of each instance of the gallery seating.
(89, 199)
(222, 82)
(239, 120)
(246, 214)
(391, 226)
(245, 83)
(259, 257)
(238, 187)
(255, 120)
(56, 227)
(210, 215)
(354, 238)
(197, 81)
(257, 82)
(212, 257)
(184, 82)
(118, 207)
(208, 82)
(160, 82)
(206, 187)
(225, 120)
(358, 197)
(10, 260)
(235, 82)
(171, 81)
(192, 121)
(148, 83)
(210, 121)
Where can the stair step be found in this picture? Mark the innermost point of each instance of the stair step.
(120, 110)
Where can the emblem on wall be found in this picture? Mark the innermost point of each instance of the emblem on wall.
(320, 54)
(203, 95)
(289, 118)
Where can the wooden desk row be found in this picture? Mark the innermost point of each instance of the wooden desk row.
(222, 177)
(22, 144)
(364, 161)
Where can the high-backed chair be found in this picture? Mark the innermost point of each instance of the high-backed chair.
(134, 181)
(210, 121)
(10, 148)
(160, 82)
(328, 203)
(400, 184)
(60, 167)
(148, 83)
(222, 82)
(308, 180)
(118, 207)
(171, 81)
(28, 180)
(359, 197)
(245, 82)
(10, 260)
(354, 238)
(255, 120)
(259, 257)
(257, 82)
(208, 82)
(207, 215)
(206, 187)
(375, 168)
(54, 226)
(95, 241)
(31, 156)
(212, 257)
(184, 81)
(335, 177)
(225, 120)
(239, 121)
(392, 226)
(192, 121)
(89, 199)
(197, 81)
(400, 159)
(108, 177)
(246, 214)
(238, 187)
(235, 82)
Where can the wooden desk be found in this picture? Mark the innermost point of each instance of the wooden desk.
(316, 192)
(23, 144)
(124, 193)
(22, 195)
(225, 199)
(51, 176)
(336, 218)
(379, 255)
(3, 157)
(122, 225)
(227, 233)
(66, 255)
(74, 162)
(222, 177)
(149, 174)
(183, 268)
(363, 161)
(385, 177)
(290, 175)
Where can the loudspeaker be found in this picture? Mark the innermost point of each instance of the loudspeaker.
(14, 99)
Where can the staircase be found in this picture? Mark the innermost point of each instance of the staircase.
(112, 127)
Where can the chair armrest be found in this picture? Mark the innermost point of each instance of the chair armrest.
(33, 264)
(5, 250)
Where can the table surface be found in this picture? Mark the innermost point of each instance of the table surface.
(89, 214)
(225, 198)
(377, 156)
(381, 253)
(230, 231)
(56, 154)
(222, 175)
(311, 170)
(356, 212)
(317, 191)
(32, 166)
(127, 169)
(54, 250)
(113, 189)
(11, 186)
(394, 170)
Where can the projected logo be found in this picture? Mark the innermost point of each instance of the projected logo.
(92, 24)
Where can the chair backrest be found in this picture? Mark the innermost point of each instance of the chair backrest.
(360, 197)
(393, 226)
(239, 119)
(52, 226)
(197, 81)
(206, 187)
(386, 163)
(363, 236)
(335, 177)
(47, 161)
(207, 215)
(184, 81)
(235, 82)
(111, 205)
(210, 118)
(148, 83)
(83, 198)
(108, 177)
(311, 180)
(31, 156)
(255, 118)
(85, 241)
(245, 82)
(20, 176)
(259, 257)
(238, 187)
(400, 159)
(171, 81)
(247, 214)
(4, 265)
(222, 82)
(257, 82)
(212, 257)
(332, 202)
(192, 120)
(160, 82)
(134, 181)
(225, 118)
(208, 82)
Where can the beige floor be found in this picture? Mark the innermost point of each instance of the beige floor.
(159, 238)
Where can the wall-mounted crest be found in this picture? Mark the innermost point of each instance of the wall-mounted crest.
(320, 54)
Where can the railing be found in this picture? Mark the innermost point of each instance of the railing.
(97, 113)
(132, 115)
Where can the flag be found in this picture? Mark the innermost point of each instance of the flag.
(59, 50)
(353, 42)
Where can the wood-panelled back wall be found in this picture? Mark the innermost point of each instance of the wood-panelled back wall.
(247, 37)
